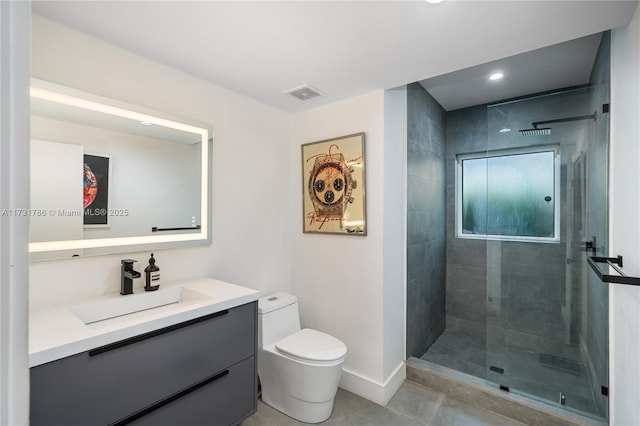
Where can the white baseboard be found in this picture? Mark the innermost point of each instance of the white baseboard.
(380, 393)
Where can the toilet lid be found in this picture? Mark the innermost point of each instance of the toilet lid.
(312, 345)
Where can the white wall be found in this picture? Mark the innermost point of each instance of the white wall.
(624, 219)
(395, 232)
(339, 279)
(252, 143)
(14, 194)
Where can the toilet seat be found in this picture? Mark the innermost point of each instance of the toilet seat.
(312, 346)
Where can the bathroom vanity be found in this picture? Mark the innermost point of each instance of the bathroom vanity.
(185, 354)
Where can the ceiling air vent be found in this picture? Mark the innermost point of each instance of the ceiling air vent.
(304, 93)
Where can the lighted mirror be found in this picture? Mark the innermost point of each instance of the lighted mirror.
(108, 177)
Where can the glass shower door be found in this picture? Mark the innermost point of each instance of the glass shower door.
(546, 194)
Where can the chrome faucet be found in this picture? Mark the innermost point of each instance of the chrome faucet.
(127, 276)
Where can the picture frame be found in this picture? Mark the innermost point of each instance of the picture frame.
(96, 175)
(333, 186)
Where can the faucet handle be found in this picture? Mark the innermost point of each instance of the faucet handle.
(127, 264)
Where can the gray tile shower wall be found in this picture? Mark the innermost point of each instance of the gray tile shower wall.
(425, 220)
(466, 260)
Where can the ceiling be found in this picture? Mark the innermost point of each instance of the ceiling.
(560, 65)
(346, 48)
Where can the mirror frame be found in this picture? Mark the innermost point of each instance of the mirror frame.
(48, 91)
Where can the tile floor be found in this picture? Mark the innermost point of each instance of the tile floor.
(411, 405)
(523, 371)
(459, 352)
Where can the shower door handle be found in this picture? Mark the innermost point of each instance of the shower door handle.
(590, 245)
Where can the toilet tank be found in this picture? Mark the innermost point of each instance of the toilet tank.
(277, 318)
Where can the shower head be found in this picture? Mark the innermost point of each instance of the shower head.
(545, 131)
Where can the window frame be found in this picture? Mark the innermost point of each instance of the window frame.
(505, 153)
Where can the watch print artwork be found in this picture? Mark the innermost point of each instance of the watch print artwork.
(333, 186)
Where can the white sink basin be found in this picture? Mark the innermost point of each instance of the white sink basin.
(130, 307)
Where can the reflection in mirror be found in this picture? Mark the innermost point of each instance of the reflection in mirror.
(107, 177)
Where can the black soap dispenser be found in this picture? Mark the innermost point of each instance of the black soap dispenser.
(152, 275)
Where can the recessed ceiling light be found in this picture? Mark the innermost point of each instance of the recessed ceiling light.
(496, 76)
(505, 130)
(146, 123)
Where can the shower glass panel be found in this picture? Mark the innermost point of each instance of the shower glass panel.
(544, 194)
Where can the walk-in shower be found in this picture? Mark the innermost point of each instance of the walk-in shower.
(498, 282)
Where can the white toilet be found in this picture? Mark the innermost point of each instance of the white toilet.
(299, 369)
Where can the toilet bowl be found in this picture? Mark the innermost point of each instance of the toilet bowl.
(299, 369)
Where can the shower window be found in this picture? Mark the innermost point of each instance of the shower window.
(509, 194)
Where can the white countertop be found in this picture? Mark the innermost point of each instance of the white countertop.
(58, 332)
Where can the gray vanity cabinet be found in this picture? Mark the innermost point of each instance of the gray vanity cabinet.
(225, 395)
(198, 372)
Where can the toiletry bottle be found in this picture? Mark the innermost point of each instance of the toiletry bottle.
(152, 275)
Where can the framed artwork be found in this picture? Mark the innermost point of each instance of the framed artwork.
(333, 187)
(95, 190)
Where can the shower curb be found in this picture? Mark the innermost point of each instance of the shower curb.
(475, 391)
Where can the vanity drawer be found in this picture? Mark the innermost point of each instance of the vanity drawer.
(225, 399)
(106, 384)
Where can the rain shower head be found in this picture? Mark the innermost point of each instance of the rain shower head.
(545, 131)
